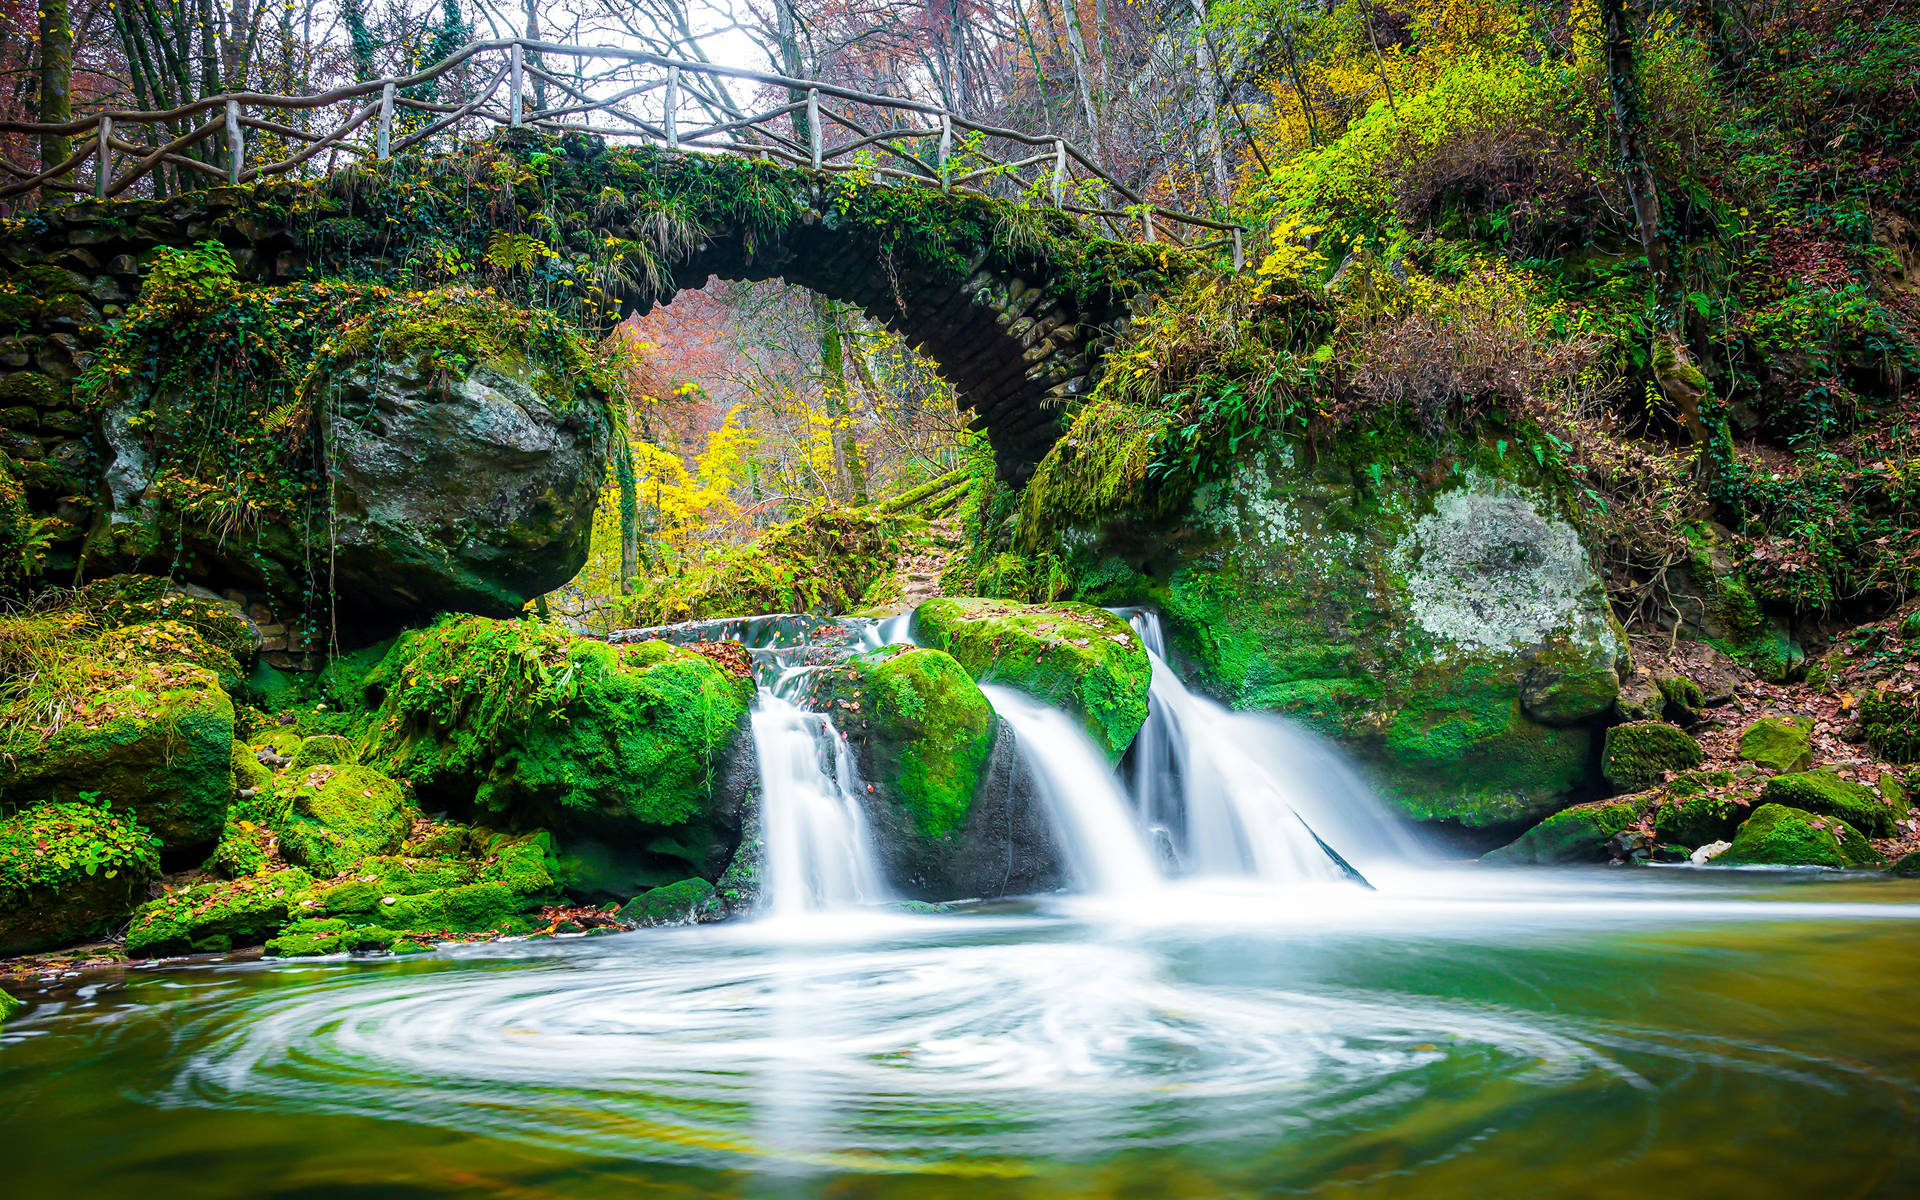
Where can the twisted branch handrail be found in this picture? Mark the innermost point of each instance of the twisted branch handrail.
(1060, 171)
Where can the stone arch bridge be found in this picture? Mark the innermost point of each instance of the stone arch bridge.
(1016, 305)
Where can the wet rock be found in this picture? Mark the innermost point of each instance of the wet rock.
(1072, 656)
(1585, 833)
(469, 495)
(1776, 835)
(673, 904)
(633, 755)
(1825, 792)
(1638, 756)
(1781, 744)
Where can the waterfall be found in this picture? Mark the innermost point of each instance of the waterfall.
(1096, 833)
(1243, 794)
(818, 851)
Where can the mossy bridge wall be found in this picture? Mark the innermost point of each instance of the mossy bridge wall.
(1017, 306)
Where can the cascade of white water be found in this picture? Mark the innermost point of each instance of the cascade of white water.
(818, 851)
(1103, 848)
(1245, 794)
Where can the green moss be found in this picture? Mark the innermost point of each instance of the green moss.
(244, 849)
(1776, 835)
(473, 908)
(822, 562)
(675, 904)
(1692, 810)
(1636, 757)
(1779, 743)
(122, 600)
(450, 331)
(930, 721)
(1826, 793)
(524, 862)
(523, 720)
(9, 1007)
(1891, 721)
(438, 840)
(1072, 656)
(1574, 835)
(321, 750)
(1907, 866)
(67, 871)
(1683, 697)
(312, 938)
(248, 771)
(338, 815)
(159, 743)
(217, 916)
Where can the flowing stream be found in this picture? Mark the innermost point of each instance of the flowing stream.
(1227, 1015)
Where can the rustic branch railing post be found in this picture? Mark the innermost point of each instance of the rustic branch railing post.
(515, 56)
(673, 108)
(383, 140)
(813, 124)
(236, 146)
(103, 157)
(946, 147)
(196, 145)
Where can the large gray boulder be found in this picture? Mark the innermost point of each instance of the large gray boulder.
(470, 494)
(1431, 605)
(450, 492)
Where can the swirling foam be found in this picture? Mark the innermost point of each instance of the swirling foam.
(694, 1048)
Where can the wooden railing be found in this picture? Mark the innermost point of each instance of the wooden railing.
(631, 96)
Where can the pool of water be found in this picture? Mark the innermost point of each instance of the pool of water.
(1466, 1033)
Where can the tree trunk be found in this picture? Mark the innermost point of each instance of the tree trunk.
(1077, 47)
(1673, 367)
(629, 508)
(56, 88)
(847, 461)
(1214, 136)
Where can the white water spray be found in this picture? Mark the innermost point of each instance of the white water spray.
(1097, 835)
(819, 853)
(1244, 794)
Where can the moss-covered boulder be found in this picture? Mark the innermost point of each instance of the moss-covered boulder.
(1826, 793)
(1638, 756)
(69, 872)
(313, 937)
(321, 750)
(491, 907)
(338, 815)
(1695, 808)
(945, 797)
(249, 773)
(625, 746)
(1072, 656)
(1776, 835)
(466, 445)
(1907, 866)
(158, 744)
(1778, 743)
(465, 437)
(216, 917)
(1430, 604)
(9, 1005)
(1575, 835)
(674, 904)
